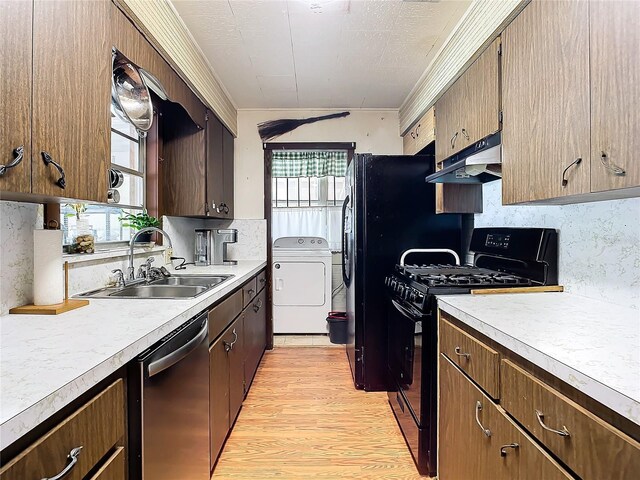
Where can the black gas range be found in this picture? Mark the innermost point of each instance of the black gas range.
(503, 257)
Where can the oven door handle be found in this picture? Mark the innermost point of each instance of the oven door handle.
(411, 315)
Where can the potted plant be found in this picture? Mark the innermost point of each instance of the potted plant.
(138, 222)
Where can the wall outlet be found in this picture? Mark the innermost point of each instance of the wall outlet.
(168, 253)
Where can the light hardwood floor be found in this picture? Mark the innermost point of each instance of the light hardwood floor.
(303, 419)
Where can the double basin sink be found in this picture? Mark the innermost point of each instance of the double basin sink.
(175, 286)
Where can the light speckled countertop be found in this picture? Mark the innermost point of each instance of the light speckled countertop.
(48, 361)
(591, 345)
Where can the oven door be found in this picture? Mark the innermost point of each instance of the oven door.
(405, 353)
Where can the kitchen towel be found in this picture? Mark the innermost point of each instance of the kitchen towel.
(48, 284)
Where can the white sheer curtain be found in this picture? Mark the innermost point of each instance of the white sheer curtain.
(322, 222)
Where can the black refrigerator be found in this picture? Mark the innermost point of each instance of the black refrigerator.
(388, 209)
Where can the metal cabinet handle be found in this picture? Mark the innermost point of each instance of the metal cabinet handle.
(612, 167)
(503, 448)
(258, 306)
(460, 354)
(251, 291)
(73, 456)
(223, 208)
(206, 208)
(263, 280)
(229, 346)
(465, 133)
(18, 154)
(486, 431)
(576, 162)
(453, 140)
(48, 160)
(418, 130)
(563, 433)
(413, 135)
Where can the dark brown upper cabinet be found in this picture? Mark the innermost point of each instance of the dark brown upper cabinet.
(219, 169)
(55, 100)
(571, 102)
(197, 166)
(15, 96)
(215, 168)
(183, 164)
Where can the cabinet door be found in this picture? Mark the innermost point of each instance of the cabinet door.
(480, 109)
(236, 366)
(215, 165)
(545, 102)
(228, 171)
(15, 94)
(218, 397)
(477, 439)
(183, 167)
(615, 94)
(445, 131)
(71, 98)
(255, 335)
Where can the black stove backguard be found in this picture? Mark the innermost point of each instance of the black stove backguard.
(526, 252)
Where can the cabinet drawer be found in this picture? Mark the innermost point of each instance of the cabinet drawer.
(526, 398)
(249, 291)
(477, 440)
(479, 361)
(261, 280)
(96, 427)
(113, 468)
(223, 314)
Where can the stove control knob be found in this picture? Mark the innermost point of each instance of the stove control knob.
(412, 296)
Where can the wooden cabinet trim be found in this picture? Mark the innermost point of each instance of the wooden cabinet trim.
(478, 360)
(522, 394)
(97, 426)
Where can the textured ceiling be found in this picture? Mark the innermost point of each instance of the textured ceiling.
(319, 53)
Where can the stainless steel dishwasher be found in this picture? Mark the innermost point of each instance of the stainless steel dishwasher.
(169, 406)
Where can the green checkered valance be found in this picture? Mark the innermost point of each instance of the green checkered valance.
(288, 164)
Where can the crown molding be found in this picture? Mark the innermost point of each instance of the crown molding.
(160, 21)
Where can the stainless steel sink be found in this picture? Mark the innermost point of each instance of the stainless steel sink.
(192, 281)
(179, 286)
(159, 291)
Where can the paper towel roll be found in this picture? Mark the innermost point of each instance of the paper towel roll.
(48, 284)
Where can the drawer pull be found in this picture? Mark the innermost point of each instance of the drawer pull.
(459, 353)
(258, 306)
(73, 456)
(563, 433)
(229, 346)
(251, 291)
(18, 154)
(503, 448)
(486, 431)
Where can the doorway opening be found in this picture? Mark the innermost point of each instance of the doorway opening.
(304, 193)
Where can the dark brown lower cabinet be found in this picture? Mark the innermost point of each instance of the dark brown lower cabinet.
(478, 441)
(255, 334)
(98, 426)
(226, 384)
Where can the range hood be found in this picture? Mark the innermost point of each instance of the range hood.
(478, 163)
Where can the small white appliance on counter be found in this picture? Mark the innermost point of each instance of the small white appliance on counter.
(301, 285)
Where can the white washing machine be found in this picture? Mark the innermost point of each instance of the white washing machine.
(301, 285)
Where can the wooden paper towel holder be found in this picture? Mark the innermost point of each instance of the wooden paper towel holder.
(54, 309)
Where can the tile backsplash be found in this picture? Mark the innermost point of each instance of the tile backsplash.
(599, 254)
(18, 220)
